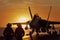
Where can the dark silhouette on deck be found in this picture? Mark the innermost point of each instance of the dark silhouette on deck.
(37, 23)
(19, 32)
(8, 32)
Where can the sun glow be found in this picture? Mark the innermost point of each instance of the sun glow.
(23, 20)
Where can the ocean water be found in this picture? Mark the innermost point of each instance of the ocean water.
(1, 31)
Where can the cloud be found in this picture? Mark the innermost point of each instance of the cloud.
(4, 3)
(13, 3)
(46, 2)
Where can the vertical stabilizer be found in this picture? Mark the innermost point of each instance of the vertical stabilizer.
(30, 12)
(49, 15)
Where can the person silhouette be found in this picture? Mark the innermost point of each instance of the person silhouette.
(19, 32)
(8, 32)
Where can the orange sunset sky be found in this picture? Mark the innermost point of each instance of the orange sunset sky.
(13, 10)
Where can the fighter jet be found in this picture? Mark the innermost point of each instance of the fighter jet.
(37, 22)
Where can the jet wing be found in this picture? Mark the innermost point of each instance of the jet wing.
(18, 23)
(53, 22)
